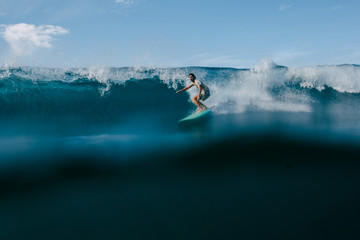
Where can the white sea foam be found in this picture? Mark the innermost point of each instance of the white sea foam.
(251, 90)
(345, 78)
(244, 90)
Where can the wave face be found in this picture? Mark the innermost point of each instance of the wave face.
(115, 94)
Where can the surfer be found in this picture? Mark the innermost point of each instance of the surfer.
(203, 93)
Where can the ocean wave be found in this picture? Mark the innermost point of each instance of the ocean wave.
(266, 87)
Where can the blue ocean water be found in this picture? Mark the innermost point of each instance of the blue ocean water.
(99, 152)
(54, 103)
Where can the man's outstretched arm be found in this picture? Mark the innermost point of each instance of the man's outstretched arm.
(185, 88)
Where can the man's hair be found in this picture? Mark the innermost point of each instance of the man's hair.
(192, 75)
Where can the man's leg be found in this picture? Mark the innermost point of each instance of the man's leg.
(203, 106)
(196, 103)
(203, 98)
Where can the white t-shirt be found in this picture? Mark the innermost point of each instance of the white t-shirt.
(203, 87)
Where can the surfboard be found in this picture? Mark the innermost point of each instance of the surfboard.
(195, 116)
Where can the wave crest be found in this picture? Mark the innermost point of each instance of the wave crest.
(266, 87)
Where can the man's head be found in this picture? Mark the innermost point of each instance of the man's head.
(192, 77)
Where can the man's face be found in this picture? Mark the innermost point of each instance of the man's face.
(191, 77)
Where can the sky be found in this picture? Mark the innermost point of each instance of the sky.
(165, 33)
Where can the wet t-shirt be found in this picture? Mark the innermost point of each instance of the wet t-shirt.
(203, 87)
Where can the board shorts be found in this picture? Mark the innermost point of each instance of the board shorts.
(204, 96)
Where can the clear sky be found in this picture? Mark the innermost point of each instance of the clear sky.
(169, 33)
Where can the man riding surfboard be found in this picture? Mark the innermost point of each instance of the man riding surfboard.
(203, 93)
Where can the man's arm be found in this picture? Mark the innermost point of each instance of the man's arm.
(185, 88)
